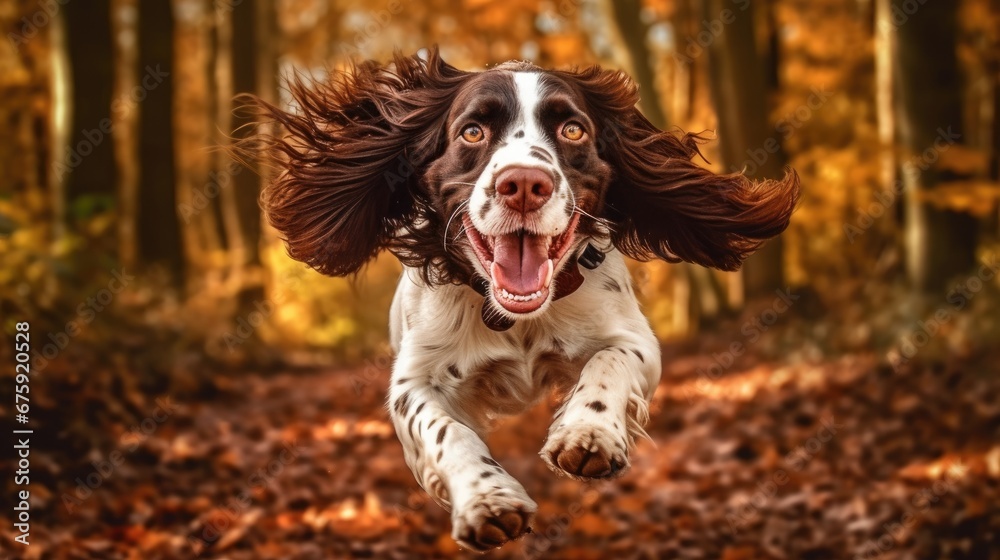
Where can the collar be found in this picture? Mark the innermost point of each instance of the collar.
(568, 281)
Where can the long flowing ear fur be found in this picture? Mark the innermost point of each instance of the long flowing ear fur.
(351, 157)
(663, 204)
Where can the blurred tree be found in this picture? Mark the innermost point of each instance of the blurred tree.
(634, 31)
(198, 184)
(683, 87)
(698, 294)
(253, 71)
(89, 165)
(771, 47)
(939, 242)
(993, 77)
(158, 228)
(126, 123)
(883, 90)
(738, 90)
(19, 80)
(222, 83)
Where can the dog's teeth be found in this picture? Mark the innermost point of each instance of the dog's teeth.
(518, 297)
(548, 273)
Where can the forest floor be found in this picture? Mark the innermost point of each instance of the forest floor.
(843, 458)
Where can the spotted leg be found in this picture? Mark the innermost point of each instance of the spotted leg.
(596, 428)
(450, 461)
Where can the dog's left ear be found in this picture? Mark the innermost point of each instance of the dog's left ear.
(662, 203)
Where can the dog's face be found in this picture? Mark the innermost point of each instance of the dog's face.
(519, 170)
(501, 174)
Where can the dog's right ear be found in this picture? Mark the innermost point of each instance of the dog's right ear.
(351, 157)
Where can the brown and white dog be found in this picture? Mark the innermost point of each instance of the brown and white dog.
(510, 196)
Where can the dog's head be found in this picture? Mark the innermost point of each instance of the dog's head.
(503, 174)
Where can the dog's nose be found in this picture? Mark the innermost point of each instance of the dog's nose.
(524, 188)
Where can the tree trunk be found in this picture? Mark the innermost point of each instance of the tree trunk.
(738, 91)
(883, 91)
(702, 296)
(686, 80)
(634, 31)
(245, 63)
(195, 131)
(223, 86)
(89, 165)
(126, 129)
(772, 49)
(58, 125)
(939, 243)
(993, 68)
(268, 47)
(159, 232)
(253, 72)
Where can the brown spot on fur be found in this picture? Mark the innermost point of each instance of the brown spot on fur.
(540, 154)
(403, 404)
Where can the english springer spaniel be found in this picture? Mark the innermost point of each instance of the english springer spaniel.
(511, 196)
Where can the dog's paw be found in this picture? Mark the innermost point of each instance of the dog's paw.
(585, 451)
(492, 519)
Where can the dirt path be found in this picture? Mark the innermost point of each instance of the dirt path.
(812, 461)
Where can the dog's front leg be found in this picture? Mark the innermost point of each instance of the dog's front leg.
(451, 462)
(596, 428)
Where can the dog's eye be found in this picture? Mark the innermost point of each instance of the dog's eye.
(473, 133)
(572, 131)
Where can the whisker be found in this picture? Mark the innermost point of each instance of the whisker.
(602, 221)
(573, 197)
(448, 225)
(580, 211)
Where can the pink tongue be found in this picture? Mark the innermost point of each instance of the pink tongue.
(520, 262)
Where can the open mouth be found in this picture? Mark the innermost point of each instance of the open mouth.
(521, 264)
